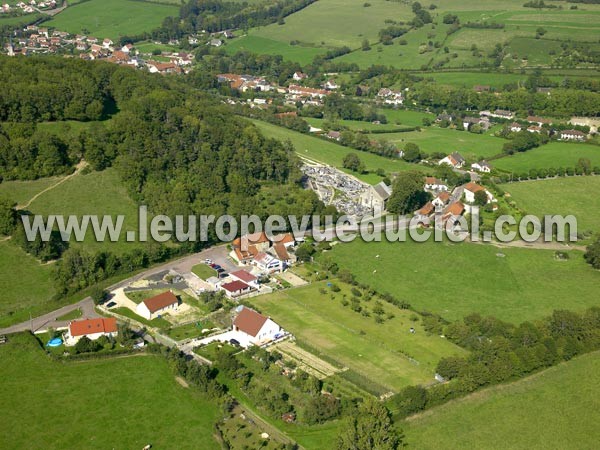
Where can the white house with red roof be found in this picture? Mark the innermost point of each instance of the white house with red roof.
(91, 328)
(254, 328)
(245, 277)
(159, 304)
(236, 288)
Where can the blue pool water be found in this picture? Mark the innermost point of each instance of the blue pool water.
(54, 342)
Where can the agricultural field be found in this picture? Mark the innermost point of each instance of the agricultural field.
(557, 408)
(262, 45)
(127, 389)
(454, 280)
(552, 155)
(356, 341)
(333, 154)
(112, 18)
(560, 196)
(434, 139)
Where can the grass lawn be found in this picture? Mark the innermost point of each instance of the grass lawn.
(190, 330)
(47, 404)
(455, 280)
(333, 154)
(405, 117)
(357, 125)
(435, 139)
(159, 322)
(379, 352)
(265, 46)
(25, 286)
(22, 191)
(204, 271)
(564, 196)
(552, 155)
(112, 18)
(557, 408)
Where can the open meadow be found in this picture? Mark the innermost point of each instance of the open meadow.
(557, 408)
(454, 280)
(47, 404)
(552, 155)
(560, 196)
(257, 44)
(112, 18)
(385, 353)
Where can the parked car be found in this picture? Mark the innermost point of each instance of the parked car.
(234, 342)
(223, 275)
(110, 304)
(217, 267)
(208, 261)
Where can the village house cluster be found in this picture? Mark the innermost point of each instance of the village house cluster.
(36, 39)
(27, 8)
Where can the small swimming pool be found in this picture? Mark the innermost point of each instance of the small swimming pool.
(54, 342)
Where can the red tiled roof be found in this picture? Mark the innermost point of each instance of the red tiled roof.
(473, 187)
(235, 286)
(244, 276)
(160, 301)
(281, 252)
(249, 321)
(456, 209)
(91, 326)
(427, 209)
(249, 239)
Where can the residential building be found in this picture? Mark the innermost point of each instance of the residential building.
(159, 304)
(91, 328)
(482, 166)
(572, 135)
(245, 277)
(236, 288)
(434, 184)
(471, 188)
(515, 127)
(455, 160)
(375, 197)
(256, 328)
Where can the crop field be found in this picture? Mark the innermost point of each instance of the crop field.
(557, 408)
(552, 155)
(445, 140)
(47, 404)
(560, 196)
(454, 280)
(262, 45)
(387, 354)
(112, 18)
(333, 154)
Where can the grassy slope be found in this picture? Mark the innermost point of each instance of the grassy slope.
(330, 153)
(335, 330)
(558, 408)
(112, 403)
(458, 279)
(112, 18)
(552, 155)
(434, 139)
(24, 284)
(561, 196)
(263, 45)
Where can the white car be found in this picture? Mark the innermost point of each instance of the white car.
(208, 261)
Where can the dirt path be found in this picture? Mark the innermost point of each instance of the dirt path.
(82, 164)
(538, 245)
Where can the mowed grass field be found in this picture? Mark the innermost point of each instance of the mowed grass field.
(109, 403)
(379, 352)
(557, 408)
(26, 285)
(112, 18)
(573, 195)
(445, 140)
(552, 155)
(320, 150)
(93, 193)
(262, 45)
(455, 280)
(335, 23)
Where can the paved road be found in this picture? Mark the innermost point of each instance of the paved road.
(49, 320)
